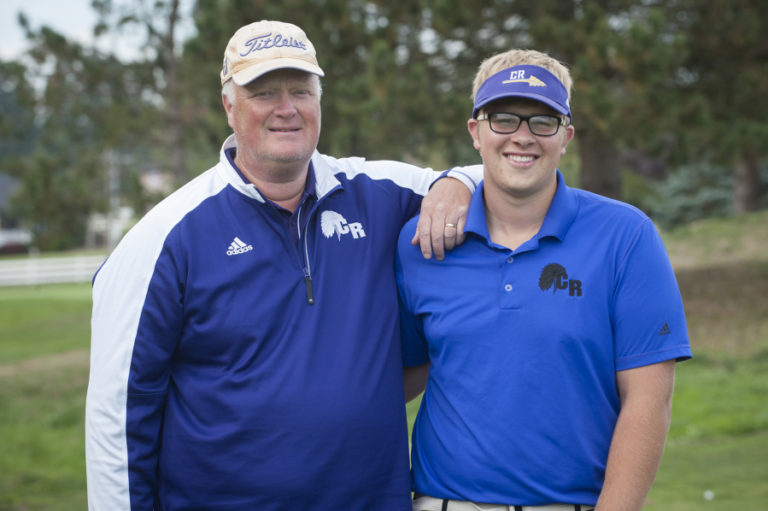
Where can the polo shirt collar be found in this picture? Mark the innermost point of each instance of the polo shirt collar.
(476, 221)
(560, 215)
(562, 212)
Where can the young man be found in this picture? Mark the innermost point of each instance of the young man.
(549, 337)
(245, 351)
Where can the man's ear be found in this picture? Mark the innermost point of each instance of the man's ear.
(473, 126)
(227, 108)
(226, 103)
(570, 131)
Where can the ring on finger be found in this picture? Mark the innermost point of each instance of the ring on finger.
(451, 225)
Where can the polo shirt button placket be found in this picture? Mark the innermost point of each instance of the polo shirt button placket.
(509, 287)
(509, 298)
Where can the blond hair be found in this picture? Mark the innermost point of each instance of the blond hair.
(501, 61)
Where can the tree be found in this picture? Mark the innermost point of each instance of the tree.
(623, 60)
(17, 102)
(159, 20)
(677, 80)
(726, 68)
(17, 129)
(89, 103)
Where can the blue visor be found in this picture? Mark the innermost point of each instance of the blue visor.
(532, 82)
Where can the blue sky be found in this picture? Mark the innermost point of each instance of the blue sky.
(74, 18)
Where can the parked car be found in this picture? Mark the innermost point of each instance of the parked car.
(15, 241)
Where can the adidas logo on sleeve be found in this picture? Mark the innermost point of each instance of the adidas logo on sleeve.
(238, 247)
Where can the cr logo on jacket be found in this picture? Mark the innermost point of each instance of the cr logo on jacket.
(334, 223)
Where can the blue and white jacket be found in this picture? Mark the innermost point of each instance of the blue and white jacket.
(216, 385)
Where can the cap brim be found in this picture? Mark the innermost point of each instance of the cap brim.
(536, 97)
(250, 73)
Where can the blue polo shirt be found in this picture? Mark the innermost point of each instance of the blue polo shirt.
(524, 346)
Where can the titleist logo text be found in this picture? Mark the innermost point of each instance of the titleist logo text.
(266, 41)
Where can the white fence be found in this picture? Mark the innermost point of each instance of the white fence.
(48, 270)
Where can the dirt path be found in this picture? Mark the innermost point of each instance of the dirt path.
(77, 358)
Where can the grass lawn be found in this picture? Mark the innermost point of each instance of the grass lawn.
(718, 444)
(718, 440)
(44, 336)
(41, 425)
(719, 473)
(43, 320)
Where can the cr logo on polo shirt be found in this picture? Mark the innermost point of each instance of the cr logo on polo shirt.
(554, 276)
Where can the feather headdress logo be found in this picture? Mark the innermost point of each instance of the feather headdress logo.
(332, 223)
(554, 276)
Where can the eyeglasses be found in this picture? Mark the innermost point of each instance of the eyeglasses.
(506, 123)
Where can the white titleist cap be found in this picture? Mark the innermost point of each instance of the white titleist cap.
(265, 46)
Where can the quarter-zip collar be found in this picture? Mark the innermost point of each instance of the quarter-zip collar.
(323, 180)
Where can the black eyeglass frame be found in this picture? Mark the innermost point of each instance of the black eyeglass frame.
(562, 121)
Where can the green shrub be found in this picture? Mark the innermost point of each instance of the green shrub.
(692, 192)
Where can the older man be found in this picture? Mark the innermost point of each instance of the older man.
(245, 345)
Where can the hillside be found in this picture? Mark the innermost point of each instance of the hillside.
(722, 269)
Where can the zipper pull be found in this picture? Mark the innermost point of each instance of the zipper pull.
(310, 297)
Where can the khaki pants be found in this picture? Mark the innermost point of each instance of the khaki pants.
(426, 503)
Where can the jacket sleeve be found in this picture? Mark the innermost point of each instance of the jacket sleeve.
(470, 175)
(419, 180)
(413, 181)
(134, 328)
